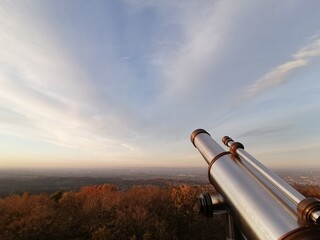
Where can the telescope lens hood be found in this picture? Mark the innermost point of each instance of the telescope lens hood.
(195, 133)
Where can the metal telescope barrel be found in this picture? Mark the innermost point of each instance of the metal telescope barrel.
(278, 182)
(262, 209)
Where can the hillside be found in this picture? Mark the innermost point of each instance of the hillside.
(104, 212)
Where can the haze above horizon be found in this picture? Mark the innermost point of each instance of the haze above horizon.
(111, 84)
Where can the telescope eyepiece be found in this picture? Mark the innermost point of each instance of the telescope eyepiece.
(209, 204)
(205, 205)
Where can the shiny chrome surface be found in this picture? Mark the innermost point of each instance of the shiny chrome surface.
(276, 181)
(273, 189)
(230, 234)
(217, 199)
(282, 185)
(207, 147)
(316, 216)
(261, 215)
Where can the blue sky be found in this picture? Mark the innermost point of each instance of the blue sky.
(92, 84)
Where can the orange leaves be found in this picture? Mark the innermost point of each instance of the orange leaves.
(308, 190)
(104, 212)
(184, 197)
(22, 215)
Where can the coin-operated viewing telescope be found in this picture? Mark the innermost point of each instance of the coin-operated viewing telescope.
(258, 203)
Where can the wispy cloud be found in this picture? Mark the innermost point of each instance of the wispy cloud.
(95, 106)
(52, 98)
(116, 80)
(266, 131)
(204, 29)
(275, 77)
(201, 31)
(309, 51)
(280, 74)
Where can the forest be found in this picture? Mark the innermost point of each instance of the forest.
(105, 212)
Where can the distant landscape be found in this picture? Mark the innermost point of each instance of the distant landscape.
(135, 204)
(48, 181)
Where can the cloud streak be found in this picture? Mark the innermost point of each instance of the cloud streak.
(128, 81)
(205, 27)
(280, 74)
(275, 77)
(51, 97)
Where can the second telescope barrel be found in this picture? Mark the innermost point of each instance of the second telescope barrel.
(295, 196)
(260, 214)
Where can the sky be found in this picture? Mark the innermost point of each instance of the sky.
(123, 83)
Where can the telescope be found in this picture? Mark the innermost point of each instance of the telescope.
(259, 205)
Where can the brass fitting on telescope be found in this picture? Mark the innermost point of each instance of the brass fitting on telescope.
(307, 207)
(195, 133)
(226, 139)
(234, 146)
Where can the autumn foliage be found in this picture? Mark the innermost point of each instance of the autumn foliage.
(104, 212)
(308, 190)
